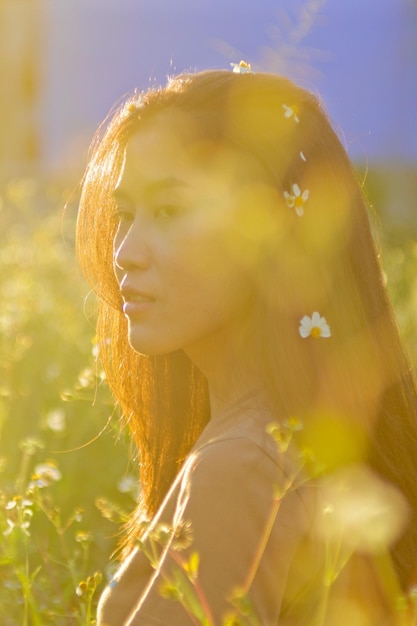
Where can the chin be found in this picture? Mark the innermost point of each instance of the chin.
(148, 347)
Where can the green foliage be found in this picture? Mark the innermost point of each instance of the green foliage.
(61, 453)
(65, 481)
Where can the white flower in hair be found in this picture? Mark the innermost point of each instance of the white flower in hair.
(134, 105)
(242, 67)
(291, 112)
(296, 200)
(314, 326)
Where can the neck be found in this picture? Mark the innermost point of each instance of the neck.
(227, 361)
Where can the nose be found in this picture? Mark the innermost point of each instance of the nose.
(131, 247)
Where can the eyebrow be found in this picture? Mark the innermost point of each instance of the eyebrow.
(154, 187)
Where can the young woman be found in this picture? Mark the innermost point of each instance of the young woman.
(246, 334)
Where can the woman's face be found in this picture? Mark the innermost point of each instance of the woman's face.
(189, 240)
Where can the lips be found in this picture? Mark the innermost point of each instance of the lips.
(133, 295)
(137, 297)
(136, 302)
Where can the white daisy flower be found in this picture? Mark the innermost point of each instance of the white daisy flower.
(241, 68)
(22, 518)
(18, 503)
(134, 105)
(56, 420)
(291, 112)
(128, 484)
(44, 475)
(24, 527)
(314, 326)
(296, 200)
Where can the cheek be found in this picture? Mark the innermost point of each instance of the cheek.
(207, 254)
(219, 256)
(211, 279)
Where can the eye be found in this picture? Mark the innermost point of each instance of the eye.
(123, 214)
(166, 211)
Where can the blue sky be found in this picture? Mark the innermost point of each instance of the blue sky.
(360, 56)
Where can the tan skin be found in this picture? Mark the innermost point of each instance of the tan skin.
(180, 241)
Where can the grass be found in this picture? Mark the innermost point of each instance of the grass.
(61, 453)
(65, 479)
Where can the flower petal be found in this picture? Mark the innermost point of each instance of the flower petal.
(315, 318)
(325, 330)
(316, 325)
(305, 327)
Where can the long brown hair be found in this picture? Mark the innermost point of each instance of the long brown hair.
(324, 260)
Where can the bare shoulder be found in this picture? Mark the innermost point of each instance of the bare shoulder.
(245, 458)
(239, 478)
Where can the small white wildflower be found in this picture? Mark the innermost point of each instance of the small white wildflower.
(11, 526)
(291, 112)
(95, 347)
(133, 106)
(44, 474)
(18, 503)
(24, 515)
(314, 326)
(83, 536)
(128, 484)
(55, 420)
(23, 526)
(81, 589)
(241, 68)
(86, 377)
(49, 470)
(296, 200)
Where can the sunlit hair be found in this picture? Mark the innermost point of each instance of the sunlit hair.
(323, 261)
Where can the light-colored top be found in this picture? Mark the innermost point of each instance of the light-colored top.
(246, 533)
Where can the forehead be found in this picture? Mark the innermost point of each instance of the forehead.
(169, 146)
(157, 144)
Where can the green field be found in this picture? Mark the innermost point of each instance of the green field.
(65, 479)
